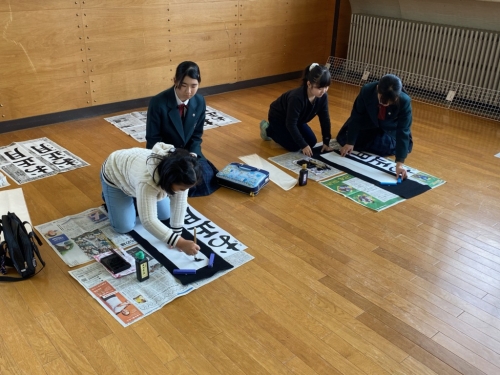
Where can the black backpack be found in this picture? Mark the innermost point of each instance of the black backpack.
(18, 249)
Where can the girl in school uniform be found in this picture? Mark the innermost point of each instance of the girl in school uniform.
(380, 122)
(176, 116)
(289, 114)
(157, 182)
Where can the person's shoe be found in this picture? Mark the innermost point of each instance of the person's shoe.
(263, 130)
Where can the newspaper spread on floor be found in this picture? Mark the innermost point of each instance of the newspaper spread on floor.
(32, 160)
(134, 124)
(80, 238)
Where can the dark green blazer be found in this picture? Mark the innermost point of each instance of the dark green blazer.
(164, 123)
(397, 121)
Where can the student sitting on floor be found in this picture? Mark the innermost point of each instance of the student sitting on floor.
(176, 116)
(289, 114)
(158, 181)
(380, 122)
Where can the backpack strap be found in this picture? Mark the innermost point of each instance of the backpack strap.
(32, 235)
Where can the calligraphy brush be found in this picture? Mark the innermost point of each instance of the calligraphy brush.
(194, 240)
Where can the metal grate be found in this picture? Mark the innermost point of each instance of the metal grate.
(479, 101)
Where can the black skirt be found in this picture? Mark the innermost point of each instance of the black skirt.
(209, 183)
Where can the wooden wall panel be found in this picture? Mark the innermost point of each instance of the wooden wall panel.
(263, 13)
(24, 5)
(44, 28)
(125, 85)
(218, 72)
(307, 43)
(262, 40)
(126, 49)
(18, 66)
(128, 55)
(344, 26)
(311, 11)
(203, 17)
(122, 3)
(209, 45)
(260, 65)
(44, 97)
(107, 24)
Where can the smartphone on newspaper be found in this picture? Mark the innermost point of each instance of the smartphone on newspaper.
(115, 263)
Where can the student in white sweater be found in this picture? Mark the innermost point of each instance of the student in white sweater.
(158, 180)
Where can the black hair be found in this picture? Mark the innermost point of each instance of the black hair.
(177, 167)
(187, 68)
(389, 88)
(318, 75)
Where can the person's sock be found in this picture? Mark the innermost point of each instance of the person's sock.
(263, 130)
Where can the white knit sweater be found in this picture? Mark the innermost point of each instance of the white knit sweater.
(129, 171)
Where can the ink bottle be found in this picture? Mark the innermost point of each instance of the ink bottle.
(303, 175)
(141, 266)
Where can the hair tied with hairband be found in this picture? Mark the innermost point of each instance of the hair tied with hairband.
(311, 67)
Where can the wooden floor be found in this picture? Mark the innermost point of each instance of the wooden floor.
(334, 287)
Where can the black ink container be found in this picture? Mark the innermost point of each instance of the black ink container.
(141, 266)
(303, 175)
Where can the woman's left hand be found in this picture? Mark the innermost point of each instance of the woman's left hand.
(326, 148)
(307, 151)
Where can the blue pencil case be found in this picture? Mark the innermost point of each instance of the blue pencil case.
(243, 178)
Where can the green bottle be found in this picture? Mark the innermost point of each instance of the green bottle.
(141, 266)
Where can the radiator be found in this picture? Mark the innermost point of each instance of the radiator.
(453, 54)
(445, 64)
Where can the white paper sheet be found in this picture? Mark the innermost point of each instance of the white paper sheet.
(365, 170)
(276, 175)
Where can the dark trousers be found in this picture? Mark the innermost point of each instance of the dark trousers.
(281, 135)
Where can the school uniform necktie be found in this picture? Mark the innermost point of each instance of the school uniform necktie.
(381, 112)
(181, 109)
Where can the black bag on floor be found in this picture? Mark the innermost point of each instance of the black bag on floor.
(18, 249)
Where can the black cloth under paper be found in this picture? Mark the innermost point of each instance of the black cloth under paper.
(406, 189)
(203, 273)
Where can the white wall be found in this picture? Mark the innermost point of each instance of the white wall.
(475, 14)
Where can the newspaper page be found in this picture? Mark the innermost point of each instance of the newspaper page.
(78, 238)
(133, 124)
(293, 161)
(32, 160)
(129, 300)
(215, 118)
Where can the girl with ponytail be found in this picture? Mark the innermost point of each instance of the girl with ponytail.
(289, 114)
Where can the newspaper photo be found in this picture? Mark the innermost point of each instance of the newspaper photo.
(35, 159)
(78, 238)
